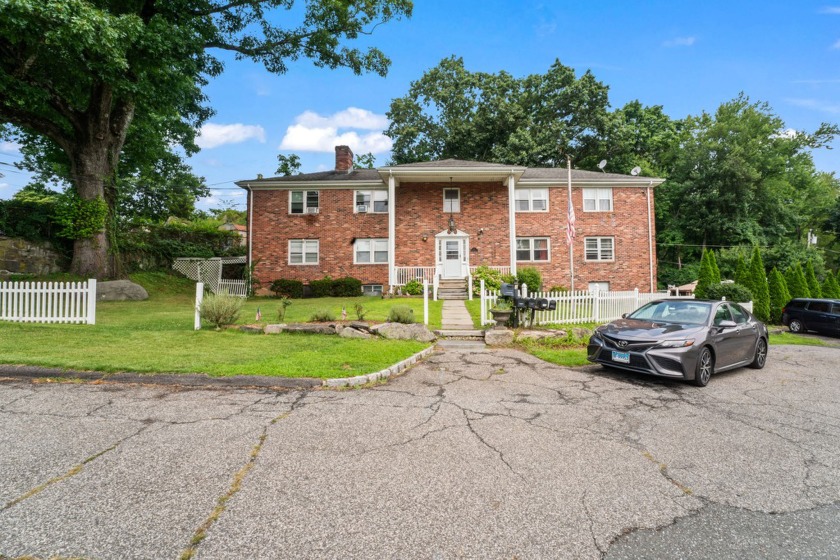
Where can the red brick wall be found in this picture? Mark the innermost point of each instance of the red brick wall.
(420, 212)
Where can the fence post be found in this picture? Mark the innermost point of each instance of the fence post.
(426, 301)
(469, 286)
(483, 302)
(91, 302)
(636, 292)
(596, 305)
(199, 297)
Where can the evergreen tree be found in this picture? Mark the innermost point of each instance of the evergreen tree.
(758, 286)
(715, 270)
(779, 295)
(811, 279)
(704, 279)
(796, 283)
(830, 287)
(741, 271)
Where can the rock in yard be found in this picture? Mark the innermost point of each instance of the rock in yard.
(498, 337)
(120, 290)
(348, 332)
(582, 333)
(359, 326)
(274, 329)
(539, 335)
(309, 328)
(401, 331)
(254, 329)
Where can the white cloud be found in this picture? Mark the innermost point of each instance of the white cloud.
(316, 133)
(214, 135)
(835, 10)
(789, 133)
(815, 104)
(9, 147)
(679, 42)
(4, 186)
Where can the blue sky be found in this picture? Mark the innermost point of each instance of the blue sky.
(688, 57)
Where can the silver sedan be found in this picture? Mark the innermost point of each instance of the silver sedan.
(682, 339)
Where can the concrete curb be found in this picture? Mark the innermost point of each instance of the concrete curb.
(200, 380)
(395, 369)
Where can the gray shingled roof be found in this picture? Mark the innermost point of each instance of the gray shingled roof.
(559, 173)
(332, 175)
(447, 163)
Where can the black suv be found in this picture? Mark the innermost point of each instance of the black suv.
(808, 314)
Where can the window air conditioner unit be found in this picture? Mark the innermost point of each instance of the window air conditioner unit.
(361, 208)
(312, 210)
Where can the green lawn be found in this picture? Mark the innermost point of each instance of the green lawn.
(157, 336)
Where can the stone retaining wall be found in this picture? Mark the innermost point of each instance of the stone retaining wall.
(28, 257)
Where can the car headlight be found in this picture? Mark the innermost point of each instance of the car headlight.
(676, 343)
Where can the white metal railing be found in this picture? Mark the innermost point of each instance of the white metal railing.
(209, 271)
(405, 274)
(578, 306)
(233, 287)
(48, 302)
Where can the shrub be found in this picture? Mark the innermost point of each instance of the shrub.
(346, 287)
(779, 295)
(732, 292)
(705, 278)
(401, 314)
(281, 311)
(555, 289)
(492, 278)
(360, 311)
(287, 288)
(321, 288)
(413, 288)
(322, 316)
(220, 310)
(531, 277)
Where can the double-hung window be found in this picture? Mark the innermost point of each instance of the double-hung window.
(599, 249)
(303, 251)
(303, 202)
(451, 200)
(371, 201)
(370, 251)
(531, 200)
(533, 249)
(597, 200)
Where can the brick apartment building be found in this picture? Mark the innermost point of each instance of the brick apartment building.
(444, 218)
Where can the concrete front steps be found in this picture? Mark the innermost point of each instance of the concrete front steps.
(456, 322)
(452, 289)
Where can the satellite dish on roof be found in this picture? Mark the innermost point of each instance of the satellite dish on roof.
(602, 164)
(635, 171)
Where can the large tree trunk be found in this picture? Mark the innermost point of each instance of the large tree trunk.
(91, 171)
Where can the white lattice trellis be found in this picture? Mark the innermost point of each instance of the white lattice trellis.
(209, 271)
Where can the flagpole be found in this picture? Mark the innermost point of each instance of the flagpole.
(570, 233)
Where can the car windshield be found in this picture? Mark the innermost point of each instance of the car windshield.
(683, 312)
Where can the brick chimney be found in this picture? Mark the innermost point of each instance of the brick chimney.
(343, 159)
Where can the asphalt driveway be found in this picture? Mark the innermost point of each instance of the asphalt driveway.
(471, 454)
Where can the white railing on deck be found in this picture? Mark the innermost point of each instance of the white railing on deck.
(48, 302)
(233, 287)
(579, 306)
(502, 269)
(406, 274)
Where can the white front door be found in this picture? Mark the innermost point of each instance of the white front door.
(452, 258)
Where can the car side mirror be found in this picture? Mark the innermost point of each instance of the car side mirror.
(624, 315)
(727, 325)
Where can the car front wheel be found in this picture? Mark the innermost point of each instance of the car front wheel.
(760, 354)
(796, 326)
(704, 369)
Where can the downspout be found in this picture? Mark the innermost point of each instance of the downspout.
(250, 222)
(392, 229)
(650, 238)
(512, 221)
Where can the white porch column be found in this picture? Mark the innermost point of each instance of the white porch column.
(512, 221)
(392, 229)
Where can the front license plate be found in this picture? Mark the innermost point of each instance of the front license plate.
(621, 357)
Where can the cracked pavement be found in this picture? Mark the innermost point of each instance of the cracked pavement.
(473, 453)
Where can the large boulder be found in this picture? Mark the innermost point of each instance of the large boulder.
(314, 328)
(350, 332)
(120, 290)
(402, 331)
(498, 337)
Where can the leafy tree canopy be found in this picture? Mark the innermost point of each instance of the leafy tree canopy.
(84, 74)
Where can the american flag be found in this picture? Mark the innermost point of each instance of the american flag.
(259, 314)
(570, 229)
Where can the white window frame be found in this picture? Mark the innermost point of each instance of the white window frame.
(458, 200)
(596, 197)
(600, 247)
(372, 241)
(306, 248)
(372, 289)
(531, 198)
(305, 201)
(531, 249)
(372, 194)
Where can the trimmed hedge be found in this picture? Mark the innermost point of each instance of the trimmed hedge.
(732, 292)
(338, 287)
(288, 288)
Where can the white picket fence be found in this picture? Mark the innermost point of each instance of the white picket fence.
(48, 302)
(578, 306)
